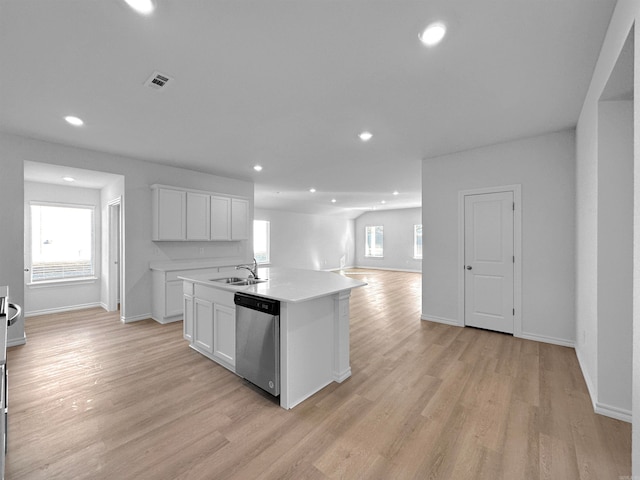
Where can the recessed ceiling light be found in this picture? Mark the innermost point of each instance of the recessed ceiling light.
(433, 34)
(312, 190)
(75, 121)
(69, 179)
(145, 7)
(383, 202)
(333, 200)
(365, 136)
(396, 192)
(257, 168)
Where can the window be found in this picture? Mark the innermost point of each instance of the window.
(261, 241)
(62, 242)
(373, 239)
(417, 241)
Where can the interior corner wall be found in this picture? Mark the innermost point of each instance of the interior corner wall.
(544, 166)
(315, 242)
(139, 250)
(615, 254)
(397, 242)
(622, 21)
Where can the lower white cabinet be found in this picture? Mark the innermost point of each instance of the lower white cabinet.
(210, 323)
(203, 325)
(224, 333)
(187, 324)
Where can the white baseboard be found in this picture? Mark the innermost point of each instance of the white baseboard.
(68, 308)
(13, 342)
(598, 407)
(587, 379)
(341, 377)
(544, 339)
(167, 320)
(387, 269)
(135, 318)
(435, 318)
(613, 412)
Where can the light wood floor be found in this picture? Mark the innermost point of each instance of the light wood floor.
(91, 398)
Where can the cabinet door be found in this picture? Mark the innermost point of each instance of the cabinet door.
(203, 325)
(224, 333)
(198, 216)
(173, 298)
(171, 211)
(187, 323)
(239, 219)
(220, 218)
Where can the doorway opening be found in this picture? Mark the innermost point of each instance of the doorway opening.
(114, 278)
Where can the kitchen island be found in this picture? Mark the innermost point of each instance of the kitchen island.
(314, 324)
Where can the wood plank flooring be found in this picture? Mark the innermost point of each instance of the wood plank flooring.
(91, 398)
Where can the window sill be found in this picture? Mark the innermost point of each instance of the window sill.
(417, 258)
(371, 256)
(62, 283)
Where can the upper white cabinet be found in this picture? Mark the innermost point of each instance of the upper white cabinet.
(239, 219)
(180, 214)
(220, 218)
(198, 206)
(169, 214)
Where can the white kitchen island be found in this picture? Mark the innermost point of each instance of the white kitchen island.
(314, 324)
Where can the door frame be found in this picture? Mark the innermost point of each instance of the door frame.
(115, 286)
(517, 251)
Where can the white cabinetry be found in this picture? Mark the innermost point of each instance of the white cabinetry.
(180, 215)
(169, 214)
(210, 316)
(220, 218)
(239, 219)
(224, 333)
(187, 323)
(203, 325)
(167, 304)
(198, 218)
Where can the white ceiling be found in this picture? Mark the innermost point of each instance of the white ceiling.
(289, 84)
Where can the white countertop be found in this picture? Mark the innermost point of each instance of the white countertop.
(285, 284)
(192, 264)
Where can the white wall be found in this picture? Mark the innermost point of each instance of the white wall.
(50, 298)
(615, 255)
(139, 249)
(544, 166)
(11, 245)
(315, 242)
(590, 343)
(397, 240)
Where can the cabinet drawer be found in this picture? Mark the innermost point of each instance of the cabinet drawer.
(214, 295)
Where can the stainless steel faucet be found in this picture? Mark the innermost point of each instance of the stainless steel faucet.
(253, 270)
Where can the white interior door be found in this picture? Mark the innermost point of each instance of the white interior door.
(489, 261)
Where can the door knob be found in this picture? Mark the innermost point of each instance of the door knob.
(468, 267)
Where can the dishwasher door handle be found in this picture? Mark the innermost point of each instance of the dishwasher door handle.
(12, 319)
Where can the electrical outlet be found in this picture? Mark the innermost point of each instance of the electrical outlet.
(201, 251)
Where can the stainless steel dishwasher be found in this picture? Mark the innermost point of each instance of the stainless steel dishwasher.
(258, 341)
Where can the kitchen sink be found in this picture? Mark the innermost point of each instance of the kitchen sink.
(249, 281)
(238, 282)
(228, 280)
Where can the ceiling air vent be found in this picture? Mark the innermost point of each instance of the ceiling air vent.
(158, 81)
